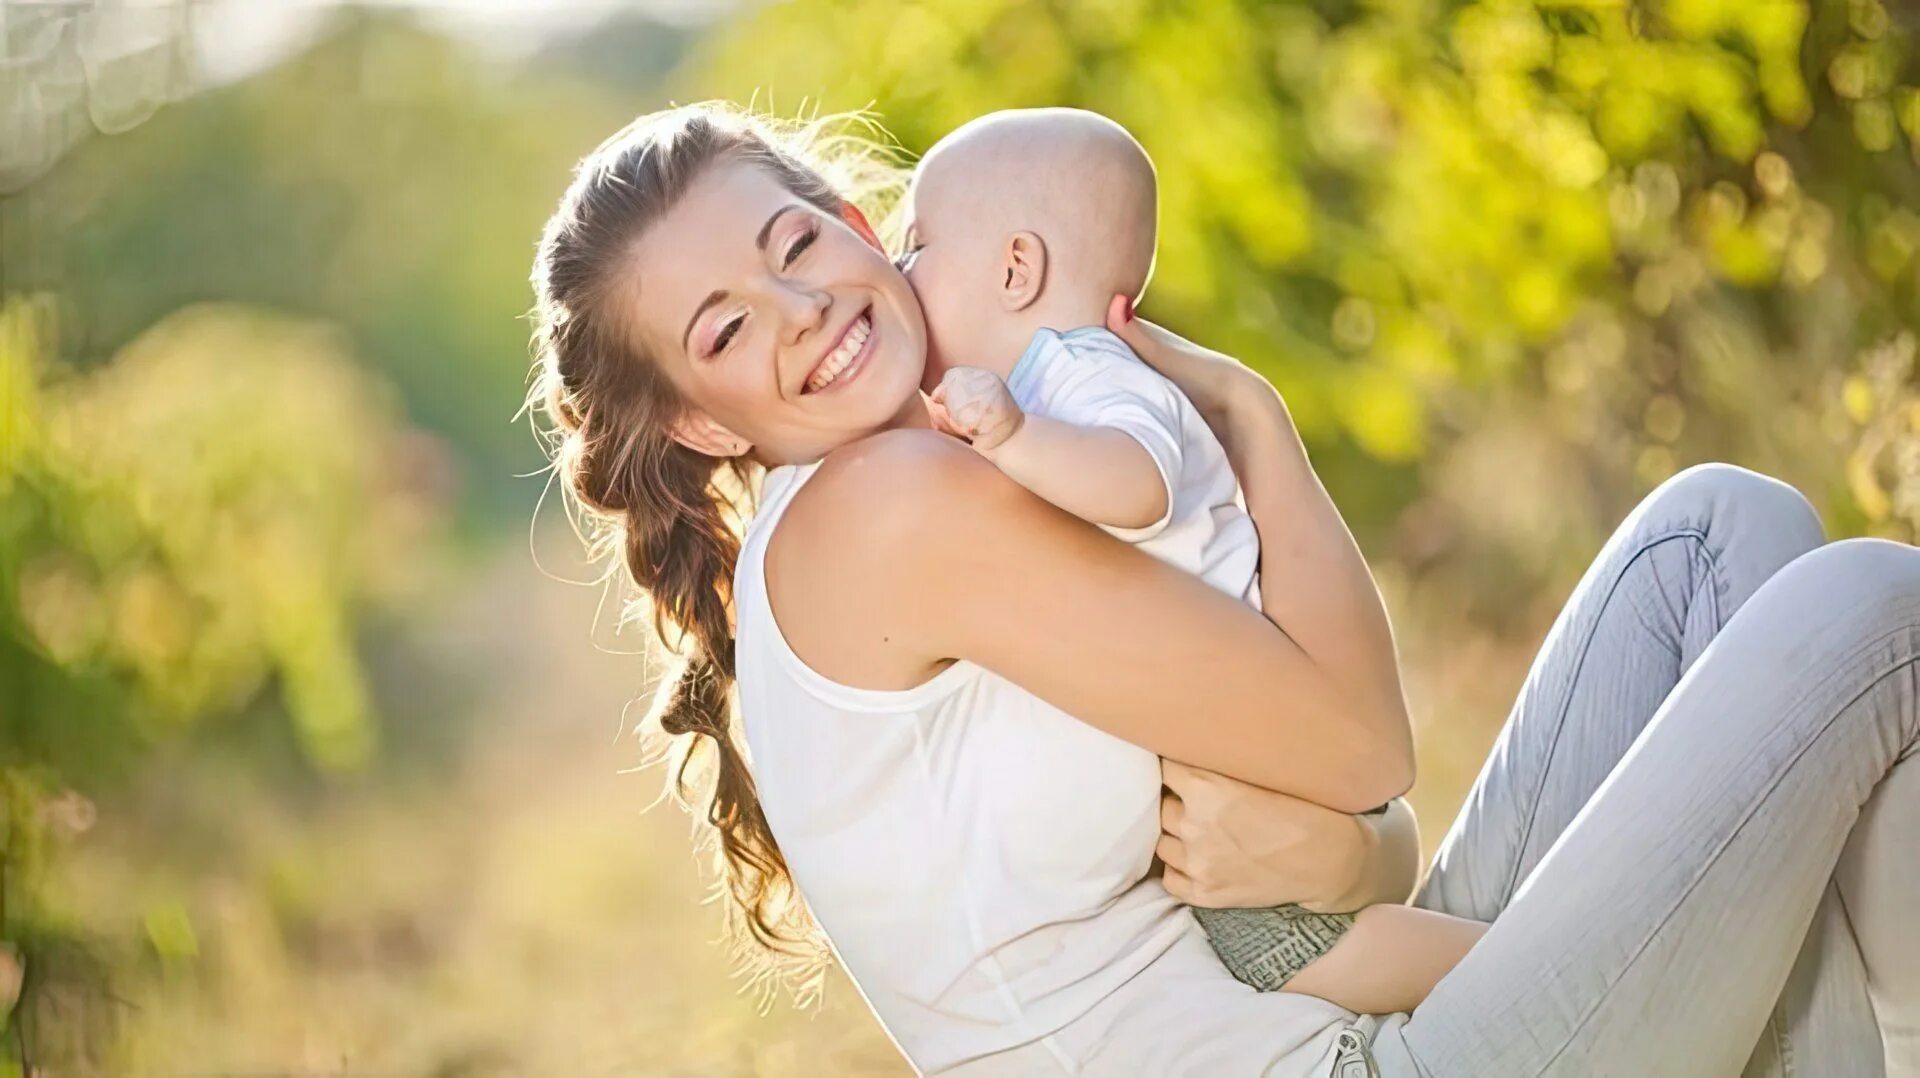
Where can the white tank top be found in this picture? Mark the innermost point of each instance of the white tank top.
(975, 855)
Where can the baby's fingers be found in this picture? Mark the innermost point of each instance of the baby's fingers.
(968, 415)
(943, 419)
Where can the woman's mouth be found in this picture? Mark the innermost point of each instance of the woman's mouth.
(847, 357)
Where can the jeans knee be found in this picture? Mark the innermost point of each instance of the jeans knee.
(1740, 492)
(1729, 500)
(1872, 585)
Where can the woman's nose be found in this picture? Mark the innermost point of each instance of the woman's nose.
(803, 310)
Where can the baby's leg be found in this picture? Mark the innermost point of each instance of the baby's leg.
(1390, 960)
(1268, 946)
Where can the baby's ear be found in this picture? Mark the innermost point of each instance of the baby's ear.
(1023, 270)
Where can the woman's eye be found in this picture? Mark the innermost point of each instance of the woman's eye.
(799, 245)
(726, 334)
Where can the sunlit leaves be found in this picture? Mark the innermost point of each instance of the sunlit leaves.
(1880, 401)
(1383, 205)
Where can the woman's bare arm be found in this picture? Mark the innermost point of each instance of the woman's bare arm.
(907, 550)
(1316, 586)
(1314, 583)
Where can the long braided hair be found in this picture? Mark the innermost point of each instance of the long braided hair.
(673, 515)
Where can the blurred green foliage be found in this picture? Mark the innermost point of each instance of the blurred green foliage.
(198, 520)
(1582, 242)
(198, 516)
(380, 181)
(219, 333)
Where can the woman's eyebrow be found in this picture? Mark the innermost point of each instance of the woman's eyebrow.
(718, 294)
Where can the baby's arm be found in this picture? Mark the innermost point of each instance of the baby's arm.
(1389, 960)
(1098, 474)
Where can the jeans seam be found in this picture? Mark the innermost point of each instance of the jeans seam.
(1719, 584)
(1780, 774)
(1707, 592)
(1580, 663)
(1651, 627)
(1783, 1044)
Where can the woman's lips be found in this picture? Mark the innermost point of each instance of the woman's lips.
(853, 366)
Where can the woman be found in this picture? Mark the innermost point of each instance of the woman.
(912, 630)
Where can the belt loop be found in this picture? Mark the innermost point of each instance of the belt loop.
(1355, 1058)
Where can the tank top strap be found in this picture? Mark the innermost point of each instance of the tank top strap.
(777, 488)
(757, 629)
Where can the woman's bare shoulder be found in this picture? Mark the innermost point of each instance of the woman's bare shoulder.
(864, 543)
(891, 487)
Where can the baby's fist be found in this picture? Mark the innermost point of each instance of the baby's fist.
(979, 407)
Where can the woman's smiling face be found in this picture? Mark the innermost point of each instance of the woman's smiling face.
(779, 323)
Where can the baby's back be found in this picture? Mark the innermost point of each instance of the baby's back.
(1089, 377)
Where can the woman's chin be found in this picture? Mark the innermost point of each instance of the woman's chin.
(898, 373)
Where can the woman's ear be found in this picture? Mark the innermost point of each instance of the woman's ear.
(1023, 270)
(702, 433)
(857, 221)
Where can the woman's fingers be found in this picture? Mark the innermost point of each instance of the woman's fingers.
(1172, 851)
(1212, 380)
(1122, 324)
(1176, 774)
(1153, 343)
(1173, 814)
(1191, 784)
(1178, 885)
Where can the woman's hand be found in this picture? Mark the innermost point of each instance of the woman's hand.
(1230, 844)
(1221, 388)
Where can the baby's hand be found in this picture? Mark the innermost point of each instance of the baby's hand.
(976, 405)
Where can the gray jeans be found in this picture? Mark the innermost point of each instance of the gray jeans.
(1696, 833)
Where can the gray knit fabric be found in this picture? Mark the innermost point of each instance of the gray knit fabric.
(1266, 947)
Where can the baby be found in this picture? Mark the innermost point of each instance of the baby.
(1023, 225)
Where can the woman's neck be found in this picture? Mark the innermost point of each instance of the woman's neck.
(912, 415)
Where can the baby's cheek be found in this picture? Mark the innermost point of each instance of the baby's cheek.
(949, 328)
(942, 332)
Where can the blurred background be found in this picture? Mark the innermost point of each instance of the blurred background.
(315, 736)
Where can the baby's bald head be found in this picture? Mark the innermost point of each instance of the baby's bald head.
(1074, 178)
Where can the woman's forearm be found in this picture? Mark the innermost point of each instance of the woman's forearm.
(1314, 584)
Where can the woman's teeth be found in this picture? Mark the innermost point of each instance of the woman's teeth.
(831, 367)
